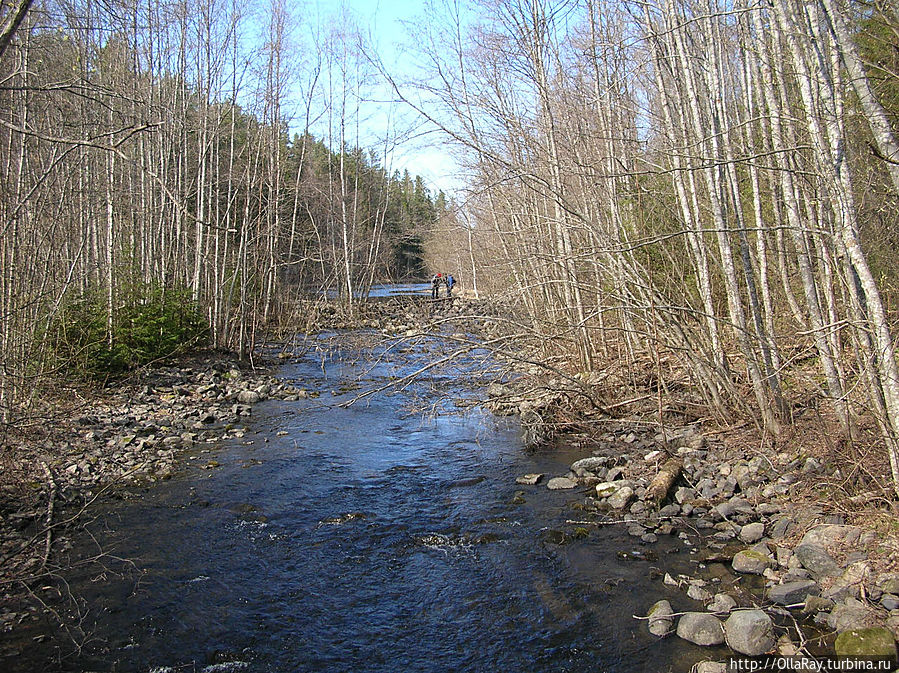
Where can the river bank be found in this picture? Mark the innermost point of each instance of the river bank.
(787, 562)
(757, 532)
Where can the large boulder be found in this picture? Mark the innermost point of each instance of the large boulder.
(749, 632)
(701, 628)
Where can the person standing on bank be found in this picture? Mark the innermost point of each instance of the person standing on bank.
(435, 285)
(450, 281)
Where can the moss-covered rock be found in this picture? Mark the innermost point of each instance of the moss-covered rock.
(871, 642)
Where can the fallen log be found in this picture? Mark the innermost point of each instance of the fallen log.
(662, 483)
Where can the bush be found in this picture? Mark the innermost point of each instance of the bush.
(149, 323)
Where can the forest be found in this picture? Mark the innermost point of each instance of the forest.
(688, 192)
(162, 187)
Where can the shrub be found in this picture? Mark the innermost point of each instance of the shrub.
(149, 323)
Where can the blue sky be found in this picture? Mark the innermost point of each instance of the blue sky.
(383, 21)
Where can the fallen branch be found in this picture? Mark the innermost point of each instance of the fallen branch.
(48, 521)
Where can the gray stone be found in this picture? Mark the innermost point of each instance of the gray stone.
(749, 632)
(560, 484)
(661, 620)
(684, 494)
(697, 593)
(752, 532)
(890, 601)
(669, 510)
(849, 615)
(781, 528)
(701, 628)
(791, 593)
(529, 479)
(248, 397)
(722, 603)
(827, 535)
(888, 583)
(816, 560)
(590, 464)
(606, 488)
(751, 561)
(620, 498)
(710, 667)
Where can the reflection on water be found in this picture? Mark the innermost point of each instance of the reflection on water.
(369, 538)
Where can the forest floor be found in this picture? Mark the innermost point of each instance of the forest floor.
(803, 511)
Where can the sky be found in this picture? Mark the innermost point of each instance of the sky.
(383, 20)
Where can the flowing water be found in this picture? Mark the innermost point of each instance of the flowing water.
(385, 536)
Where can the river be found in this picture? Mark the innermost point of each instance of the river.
(385, 536)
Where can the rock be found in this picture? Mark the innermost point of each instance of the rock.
(791, 593)
(888, 583)
(811, 466)
(683, 494)
(529, 479)
(560, 483)
(620, 498)
(749, 632)
(248, 397)
(661, 620)
(752, 532)
(816, 560)
(740, 505)
(849, 584)
(591, 464)
(751, 561)
(890, 601)
(816, 604)
(607, 488)
(781, 528)
(698, 593)
(827, 535)
(786, 647)
(710, 667)
(870, 642)
(722, 603)
(700, 628)
(669, 511)
(849, 615)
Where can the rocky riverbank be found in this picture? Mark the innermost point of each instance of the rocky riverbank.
(776, 572)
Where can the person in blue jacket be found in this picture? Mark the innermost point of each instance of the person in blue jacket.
(450, 281)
